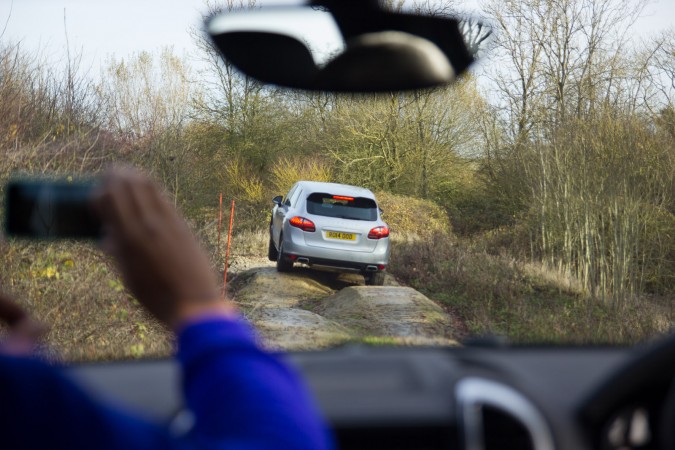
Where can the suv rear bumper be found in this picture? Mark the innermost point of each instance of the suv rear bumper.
(338, 258)
(344, 265)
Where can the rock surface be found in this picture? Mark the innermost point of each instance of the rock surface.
(308, 309)
(400, 313)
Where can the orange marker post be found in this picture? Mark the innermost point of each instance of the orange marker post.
(227, 251)
(220, 221)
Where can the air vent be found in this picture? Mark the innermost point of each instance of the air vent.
(501, 431)
(496, 416)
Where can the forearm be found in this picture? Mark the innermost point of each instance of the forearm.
(243, 397)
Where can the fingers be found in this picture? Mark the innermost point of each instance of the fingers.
(127, 196)
(132, 209)
(160, 261)
(24, 332)
(23, 338)
(10, 312)
(29, 331)
(119, 202)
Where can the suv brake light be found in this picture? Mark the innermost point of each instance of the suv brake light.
(303, 224)
(378, 233)
(342, 197)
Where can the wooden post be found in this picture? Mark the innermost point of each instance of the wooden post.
(227, 251)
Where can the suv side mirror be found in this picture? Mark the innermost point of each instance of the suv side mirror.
(277, 200)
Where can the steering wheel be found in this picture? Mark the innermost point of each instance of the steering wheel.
(635, 407)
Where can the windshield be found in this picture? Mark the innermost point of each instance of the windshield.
(534, 199)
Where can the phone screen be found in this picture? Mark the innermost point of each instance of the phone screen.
(51, 210)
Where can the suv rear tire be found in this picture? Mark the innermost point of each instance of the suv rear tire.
(374, 279)
(284, 264)
(272, 252)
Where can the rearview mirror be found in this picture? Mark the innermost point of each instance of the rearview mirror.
(277, 200)
(342, 48)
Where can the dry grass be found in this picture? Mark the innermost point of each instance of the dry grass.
(499, 294)
(245, 242)
(250, 243)
(496, 294)
(74, 288)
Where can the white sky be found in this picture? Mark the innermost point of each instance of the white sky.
(100, 28)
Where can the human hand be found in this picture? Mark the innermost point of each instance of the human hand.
(24, 332)
(160, 261)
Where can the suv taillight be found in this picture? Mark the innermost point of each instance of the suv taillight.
(378, 233)
(303, 224)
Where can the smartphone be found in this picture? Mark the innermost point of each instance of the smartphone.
(50, 209)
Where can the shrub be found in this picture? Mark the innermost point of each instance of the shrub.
(409, 215)
(287, 171)
(497, 294)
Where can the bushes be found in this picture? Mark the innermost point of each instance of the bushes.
(528, 303)
(601, 192)
(286, 171)
(409, 215)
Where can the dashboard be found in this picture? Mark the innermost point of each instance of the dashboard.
(410, 398)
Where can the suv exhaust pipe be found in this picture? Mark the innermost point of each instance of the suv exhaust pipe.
(303, 260)
(371, 268)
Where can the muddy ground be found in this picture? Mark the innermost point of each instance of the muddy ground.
(310, 309)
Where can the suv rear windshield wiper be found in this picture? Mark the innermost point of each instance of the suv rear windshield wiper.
(350, 218)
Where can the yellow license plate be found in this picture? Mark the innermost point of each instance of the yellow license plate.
(338, 235)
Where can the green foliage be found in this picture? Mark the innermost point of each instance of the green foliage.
(380, 341)
(408, 143)
(243, 184)
(137, 350)
(287, 171)
(412, 216)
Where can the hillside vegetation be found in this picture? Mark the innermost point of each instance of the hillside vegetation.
(538, 204)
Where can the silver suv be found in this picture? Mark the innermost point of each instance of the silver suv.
(330, 225)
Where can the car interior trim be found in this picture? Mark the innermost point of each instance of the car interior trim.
(474, 393)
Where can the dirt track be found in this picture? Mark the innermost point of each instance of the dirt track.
(309, 309)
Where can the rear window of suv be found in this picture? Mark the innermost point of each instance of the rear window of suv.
(343, 207)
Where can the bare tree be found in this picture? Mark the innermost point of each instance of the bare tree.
(228, 96)
(572, 95)
(148, 101)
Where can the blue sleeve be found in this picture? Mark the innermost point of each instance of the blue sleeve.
(242, 399)
(42, 409)
(269, 406)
